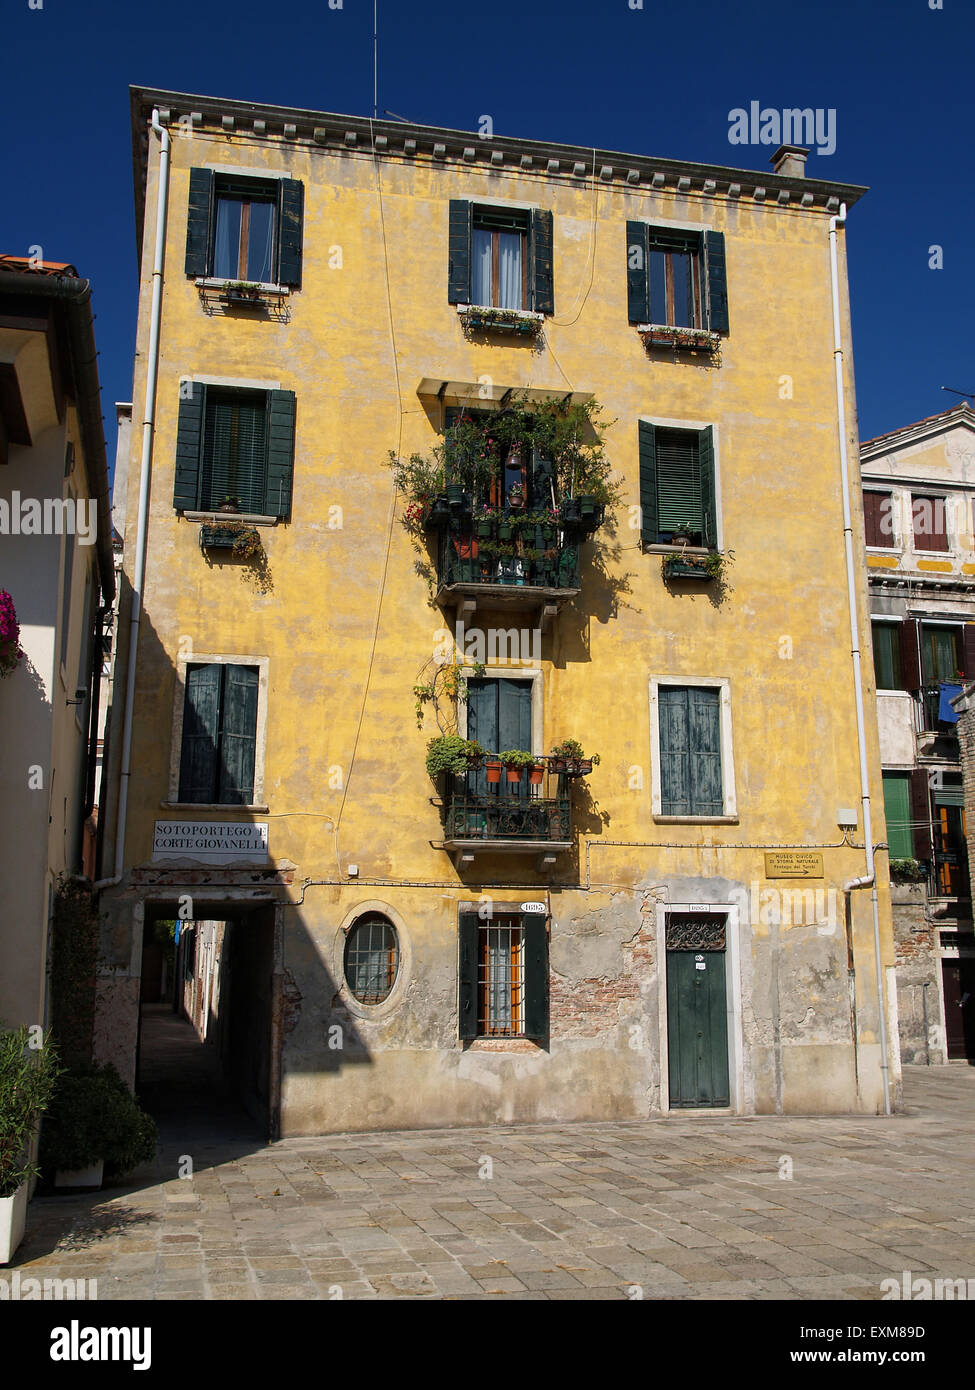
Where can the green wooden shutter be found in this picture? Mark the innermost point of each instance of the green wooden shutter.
(897, 810)
(704, 728)
(709, 503)
(291, 202)
(198, 218)
(201, 723)
(238, 735)
(541, 278)
(650, 528)
(678, 481)
(968, 651)
(535, 946)
(675, 785)
(714, 259)
(282, 408)
(189, 440)
(469, 928)
(637, 272)
(459, 252)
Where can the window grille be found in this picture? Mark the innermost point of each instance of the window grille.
(501, 981)
(371, 959)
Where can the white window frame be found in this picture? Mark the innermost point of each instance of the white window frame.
(260, 740)
(896, 494)
(729, 797)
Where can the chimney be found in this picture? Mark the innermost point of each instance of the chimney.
(790, 160)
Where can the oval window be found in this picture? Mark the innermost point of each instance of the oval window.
(371, 959)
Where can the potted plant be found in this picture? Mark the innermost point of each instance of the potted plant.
(536, 772)
(451, 754)
(27, 1079)
(10, 650)
(569, 758)
(95, 1126)
(438, 514)
(516, 496)
(492, 766)
(515, 761)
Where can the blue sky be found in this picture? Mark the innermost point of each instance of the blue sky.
(659, 80)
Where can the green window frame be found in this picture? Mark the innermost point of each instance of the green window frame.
(677, 484)
(535, 225)
(897, 813)
(503, 984)
(204, 224)
(219, 735)
(887, 656)
(676, 278)
(234, 443)
(691, 779)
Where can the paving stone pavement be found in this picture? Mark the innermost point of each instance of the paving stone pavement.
(688, 1208)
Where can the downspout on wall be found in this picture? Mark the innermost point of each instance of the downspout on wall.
(869, 879)
(142, 526)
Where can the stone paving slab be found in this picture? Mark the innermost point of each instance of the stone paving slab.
(682, 1209)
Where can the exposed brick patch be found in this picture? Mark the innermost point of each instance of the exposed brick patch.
(291, 996)
(589, 1008)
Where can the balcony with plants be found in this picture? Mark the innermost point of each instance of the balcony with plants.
(506, 501)
(509, 802)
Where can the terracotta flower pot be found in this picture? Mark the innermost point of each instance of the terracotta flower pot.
(493, 770)
(514, 773)
(536, 774)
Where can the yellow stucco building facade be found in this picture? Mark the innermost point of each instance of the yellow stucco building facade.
(671, 931)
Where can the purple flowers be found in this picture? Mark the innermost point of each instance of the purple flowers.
(10, 652)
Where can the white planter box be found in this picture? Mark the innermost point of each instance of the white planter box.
(13, 1220)
(81, 1177)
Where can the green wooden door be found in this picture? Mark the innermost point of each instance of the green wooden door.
(697, 1029)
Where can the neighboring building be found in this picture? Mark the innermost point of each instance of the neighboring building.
(958, 962)
(400, 954)
(56, 562)
(919, 490)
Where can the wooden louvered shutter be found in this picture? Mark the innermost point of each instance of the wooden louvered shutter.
(637, 272)
(291, 202)
(282, 407)
(189, 439)
(542, 278)
(469, 928)
(709, 501)
(678, 481)
(535, 947)
(201, 724)
(675, 785)
(920, 814)
(234, 456)
(459, 252)
(910, 653)
(714, 260)
(968, 651)
(238, 735)
(704, 725)
(650, 527)
(198, 219)
(897, 813)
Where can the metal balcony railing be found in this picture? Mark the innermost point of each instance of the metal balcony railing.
(512, 550)
(534, 813)
(927, 703)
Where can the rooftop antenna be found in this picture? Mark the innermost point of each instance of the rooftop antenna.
(375, 59)
(969, 395)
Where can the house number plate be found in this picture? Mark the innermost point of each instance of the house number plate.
(533, 907)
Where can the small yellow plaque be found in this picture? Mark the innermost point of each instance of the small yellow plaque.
(793, 863)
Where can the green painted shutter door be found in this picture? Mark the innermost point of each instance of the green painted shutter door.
(717, 282)
(201, 725)
(198, 217)
(709, 505)
(648, 484)
(697, 1029)
(189, 440)
(675, 785)
(535, 942)
(469, 929)
(704, 725)
(238, 736)
(291, 203)
(897, 810)
(459, 252)
(542, 271)
(679, 499)
(282, 407)
(637, 272)
(514, 715)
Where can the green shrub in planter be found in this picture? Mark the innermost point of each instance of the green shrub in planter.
(95, 1117)
(452, 754)
(28, 1077)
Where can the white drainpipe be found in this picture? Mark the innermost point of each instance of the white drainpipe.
(868, 880)
(139, 574)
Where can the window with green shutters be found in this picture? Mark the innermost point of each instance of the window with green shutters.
(503, 985)
(677, 487)
(241, 228)
(676, 278)
(234, 447)
(500, 257)
(897, 811)
(690, 750)
(887, 656)
(219, 741)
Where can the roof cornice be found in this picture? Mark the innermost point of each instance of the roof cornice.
(917, 432)
(357, 135)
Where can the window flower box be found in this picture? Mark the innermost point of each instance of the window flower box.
(249, 295)
(700, 567)
(241, 540)
(482, 318)
(684, 339)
